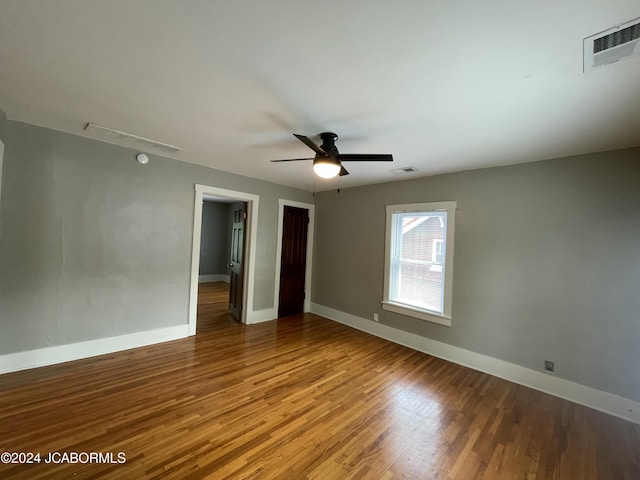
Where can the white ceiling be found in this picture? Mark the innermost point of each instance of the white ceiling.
(443, 85)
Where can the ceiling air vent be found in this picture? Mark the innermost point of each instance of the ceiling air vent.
(403, 170)
(116, 136)
(617, 43)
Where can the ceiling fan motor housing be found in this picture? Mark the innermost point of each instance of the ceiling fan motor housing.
(329, 143)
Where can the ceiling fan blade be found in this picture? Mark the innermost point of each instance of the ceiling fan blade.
(291, 160)
(357, 157)
(307, 141)
(343, 171)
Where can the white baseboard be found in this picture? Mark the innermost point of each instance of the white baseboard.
(590, 397)
(217, 277)
(259, 316)
(14, 362)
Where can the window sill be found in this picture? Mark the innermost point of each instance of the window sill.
(417, 313)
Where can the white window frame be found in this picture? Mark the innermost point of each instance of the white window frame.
(1, 164)
(410, 310)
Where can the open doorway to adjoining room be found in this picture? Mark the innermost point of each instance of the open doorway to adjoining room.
(223, 252)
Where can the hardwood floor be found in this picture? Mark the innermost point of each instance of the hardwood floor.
(299, 398)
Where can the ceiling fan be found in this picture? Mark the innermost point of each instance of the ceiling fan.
(328, 161)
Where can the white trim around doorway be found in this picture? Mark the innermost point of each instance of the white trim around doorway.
(250, 253)
(307, 277)
(1, 157)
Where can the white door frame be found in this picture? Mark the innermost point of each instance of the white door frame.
(1, 157)
(251, 232)
(307, 276)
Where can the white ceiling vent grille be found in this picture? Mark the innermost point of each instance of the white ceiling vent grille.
(116, 136)
(617, 43)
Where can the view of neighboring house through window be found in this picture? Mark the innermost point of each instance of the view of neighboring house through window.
(419, 260)
(438, 253)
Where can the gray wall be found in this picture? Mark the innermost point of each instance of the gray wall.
(547, 263)
(95, 245)
(215, 239)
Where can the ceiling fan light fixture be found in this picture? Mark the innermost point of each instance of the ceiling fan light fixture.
(326, 167)
(328, 161)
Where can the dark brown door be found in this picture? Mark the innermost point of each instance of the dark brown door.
(294, 261)
(237, 260)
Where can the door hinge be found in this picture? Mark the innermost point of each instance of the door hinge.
(244, 215)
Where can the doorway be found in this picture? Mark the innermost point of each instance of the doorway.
(293, 258)
(243, 299)
(222, 249)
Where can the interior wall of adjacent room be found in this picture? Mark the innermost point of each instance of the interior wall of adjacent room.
(214, 244)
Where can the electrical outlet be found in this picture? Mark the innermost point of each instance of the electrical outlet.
(375, 317)
(549, 366)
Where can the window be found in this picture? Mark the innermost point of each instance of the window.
(419, 260)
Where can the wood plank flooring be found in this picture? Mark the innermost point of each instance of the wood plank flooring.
(299, 398)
